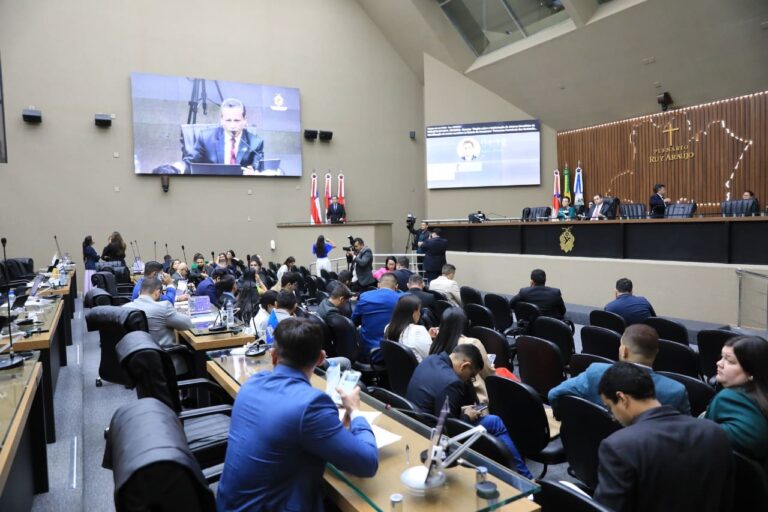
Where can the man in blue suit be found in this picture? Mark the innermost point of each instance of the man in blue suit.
(639, 345)
(154, 270)
(631, 308)
(231, 143)
(284, 431)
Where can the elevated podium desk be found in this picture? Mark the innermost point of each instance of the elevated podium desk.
(740, 240)
(23, 452)
(352, 493)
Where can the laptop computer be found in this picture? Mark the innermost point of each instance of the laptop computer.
(215, 169)
(269, 165)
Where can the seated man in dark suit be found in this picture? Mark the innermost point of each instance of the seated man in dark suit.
(631, 308)
(336, 304)
(208, 285)
(416, 287)
(284, 431)
(600, 209)
(231, 143)
(402, 273)
(661, 460)
(449, 376)
(639, 345)
(549, 300)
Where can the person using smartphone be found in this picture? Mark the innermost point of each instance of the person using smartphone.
(155, 269)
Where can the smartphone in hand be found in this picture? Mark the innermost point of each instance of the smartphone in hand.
(347, 383)
(480, 407)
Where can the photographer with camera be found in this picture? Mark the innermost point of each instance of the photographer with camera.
(418, 237)
(362, 264)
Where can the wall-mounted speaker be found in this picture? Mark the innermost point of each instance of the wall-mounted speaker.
(412, 135)
(310, 134)
(103, 120)
(32, 116)
(325, 136)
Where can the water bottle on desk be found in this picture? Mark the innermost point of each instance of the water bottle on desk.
(230, 315)
(11, 297)
(63, 275)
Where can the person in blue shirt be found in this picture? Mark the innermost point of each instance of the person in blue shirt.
(632, 309)
(321, 249)
(285, 308)
(226, 288)
(639, 345)
(153, 269)
(208, 285)
(373, 312)
(284, 431)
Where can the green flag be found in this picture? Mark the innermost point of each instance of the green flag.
(567, 186)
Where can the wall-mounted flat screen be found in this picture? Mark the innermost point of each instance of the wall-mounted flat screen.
(203, 127)
(497, 154)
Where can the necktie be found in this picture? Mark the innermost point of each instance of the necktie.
(233, 153)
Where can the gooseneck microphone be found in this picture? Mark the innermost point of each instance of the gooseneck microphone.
(12, 361)
(155, 250)
(184, 253)
(137, 248)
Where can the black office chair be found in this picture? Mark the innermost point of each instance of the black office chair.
(558, 497)
(501, 310)
(559, 333)
(113, 323)
(739, 208)
(106, 281)
(400, 362)
(699, 393)
(20, 269)
(607, 320)
(526, 314)
(152, 465)
(438, 295)
(479, 316)
(151, 371)
(668, 329)
(750, 485)
(583, 426)
(97, 297)
(520, 408)
(495, 343)
(677, 358)
(439, 307)
(346, 341)
(7, 283)
(470, 295)
(328, 345)
(272, 266)
(600, 341)
(320, 283)
(541, 364)
(391, 399)
(680, 210)
(580, 362)
(710, 343)
(632, 211)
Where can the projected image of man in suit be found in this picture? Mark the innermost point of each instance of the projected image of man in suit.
(231, 143)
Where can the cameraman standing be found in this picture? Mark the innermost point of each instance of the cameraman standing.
(419, 237)
(362, 265)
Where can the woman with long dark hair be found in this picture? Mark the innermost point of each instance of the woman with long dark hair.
(451, 333)
(90, 258)
(287, 266)
(741, 408)
(321, 249)
(405, 328)
(115, 248)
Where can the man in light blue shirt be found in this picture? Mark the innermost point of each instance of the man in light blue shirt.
(639, 345)
(153, 269)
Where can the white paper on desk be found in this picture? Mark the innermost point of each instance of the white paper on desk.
(370, 416)
(384, 437)
(203, 319)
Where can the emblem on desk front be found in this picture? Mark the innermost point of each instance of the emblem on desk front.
(567, 240)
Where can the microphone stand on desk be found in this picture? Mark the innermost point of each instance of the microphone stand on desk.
(12, 361)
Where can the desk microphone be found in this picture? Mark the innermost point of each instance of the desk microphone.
(13, 360)
(155, 250)
(137, 248)
(184, 253)
(213, 259)
(166, 249)
(58, 249)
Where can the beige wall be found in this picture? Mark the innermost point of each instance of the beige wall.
(74, 59)
(450, 97)
(696, 291)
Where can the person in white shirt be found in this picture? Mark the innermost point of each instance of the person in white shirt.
(267, 303)
(405, 328)
(446, 285)
(287, 266)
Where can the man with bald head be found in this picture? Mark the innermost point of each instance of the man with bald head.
(639, 345)
(373, 312)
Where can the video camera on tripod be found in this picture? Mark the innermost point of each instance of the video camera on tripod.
(349, 247)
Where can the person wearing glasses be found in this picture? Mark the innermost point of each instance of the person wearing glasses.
(449, 376)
